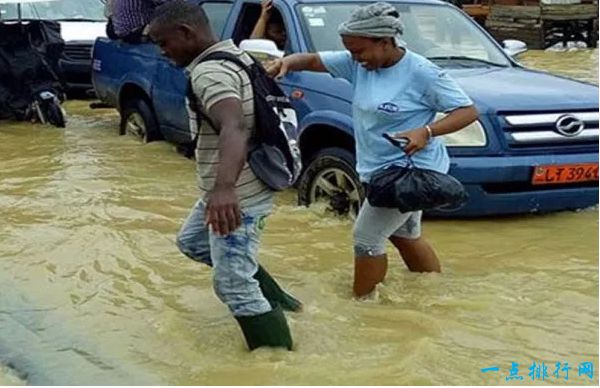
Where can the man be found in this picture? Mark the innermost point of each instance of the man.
(270, 26)
(223, 229)
(128, 18)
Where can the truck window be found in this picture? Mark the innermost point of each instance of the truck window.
(247, 20)
(436, 32)
(217, 14)
(449, 37)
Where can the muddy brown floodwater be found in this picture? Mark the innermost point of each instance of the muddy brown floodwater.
(94, 291)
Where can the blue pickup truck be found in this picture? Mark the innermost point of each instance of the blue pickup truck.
(533, 149)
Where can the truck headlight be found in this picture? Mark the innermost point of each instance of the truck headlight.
(472, 135)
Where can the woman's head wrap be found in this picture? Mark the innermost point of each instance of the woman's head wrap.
(378, 20)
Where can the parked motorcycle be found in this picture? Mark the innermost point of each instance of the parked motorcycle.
(31, 83)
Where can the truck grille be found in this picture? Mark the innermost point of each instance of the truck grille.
(547, 129)
(78, 52)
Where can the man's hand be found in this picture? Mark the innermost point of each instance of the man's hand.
(266, 7)
(417, 139)
(277, 68)
(223, 210)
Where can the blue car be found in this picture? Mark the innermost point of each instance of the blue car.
(533, 149)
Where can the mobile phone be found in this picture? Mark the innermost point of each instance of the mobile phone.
(400, 142)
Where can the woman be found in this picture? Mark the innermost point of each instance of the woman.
(397, 92)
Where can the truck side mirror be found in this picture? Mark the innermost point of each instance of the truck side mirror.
(514, 47)
(262, 49)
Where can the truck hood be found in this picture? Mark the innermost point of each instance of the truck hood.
(82, 31)
(518, 89)
(495, 90)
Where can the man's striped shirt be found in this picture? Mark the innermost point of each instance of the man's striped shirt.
(213, 81)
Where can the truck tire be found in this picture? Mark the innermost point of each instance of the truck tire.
(331, 177)
(137, 119)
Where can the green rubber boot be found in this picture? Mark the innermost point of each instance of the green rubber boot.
(274, 293)
(268, 329)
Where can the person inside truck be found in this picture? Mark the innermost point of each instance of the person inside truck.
(270, 25)
(396, 92)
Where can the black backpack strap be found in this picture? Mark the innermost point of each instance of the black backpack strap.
(194, 104)
(227, 56)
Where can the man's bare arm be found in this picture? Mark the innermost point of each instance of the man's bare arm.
(223, 210)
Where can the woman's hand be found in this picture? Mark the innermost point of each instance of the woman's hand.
(277, 68)
(417, 139)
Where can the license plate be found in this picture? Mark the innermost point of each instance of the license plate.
(566, 173)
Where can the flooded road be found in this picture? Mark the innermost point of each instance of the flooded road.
(94, 291)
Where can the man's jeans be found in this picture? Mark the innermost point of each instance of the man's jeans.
(233, 257)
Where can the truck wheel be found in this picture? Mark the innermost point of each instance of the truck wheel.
(330, 177)
(137, 119)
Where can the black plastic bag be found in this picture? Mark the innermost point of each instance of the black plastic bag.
(411, 189)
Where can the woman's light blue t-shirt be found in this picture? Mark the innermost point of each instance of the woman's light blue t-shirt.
(399, 98)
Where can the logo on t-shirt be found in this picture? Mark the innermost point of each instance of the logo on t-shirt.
(388, 107)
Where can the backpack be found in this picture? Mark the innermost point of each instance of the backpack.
(273, 152)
